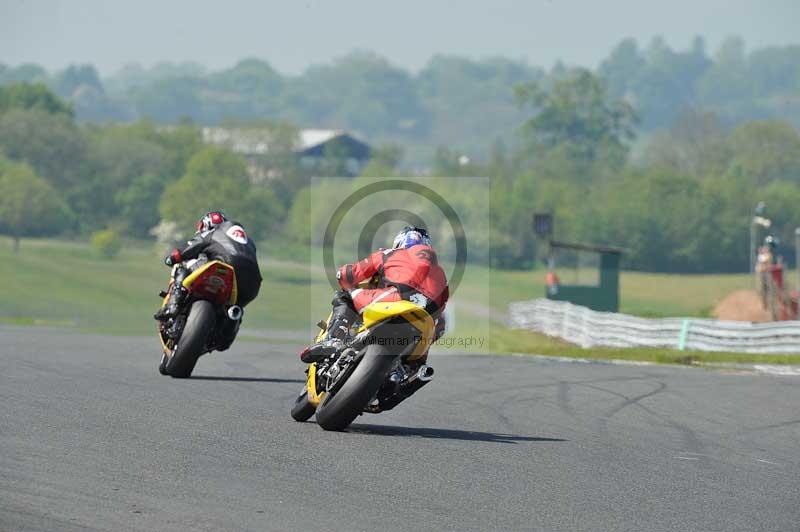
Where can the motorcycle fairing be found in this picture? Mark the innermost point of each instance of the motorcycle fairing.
(417, 316)
(313, 397)
(321, 334)
(214, 281)
(373, 315)
(223, 290)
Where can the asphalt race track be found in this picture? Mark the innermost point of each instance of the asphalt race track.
(93, 438)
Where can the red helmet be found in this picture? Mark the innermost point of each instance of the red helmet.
(209, 221)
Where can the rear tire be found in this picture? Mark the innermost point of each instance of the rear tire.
(193, 340)
(303, 409)
(336, 412)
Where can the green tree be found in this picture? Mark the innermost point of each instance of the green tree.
(727, 80)
(107, 243)
(279, 165)
(51, 143)
(765, 151)
(75, 77)
(575, 114)
(169, 100)
(32, 96)
(138, 204)
(622, 68)
(360, 91)
(334, 160)
(127, 168)
(388, 155)
(118, 156)
(470, 101)
(216, 179)
(25, 73)
(775, 69)
(782, 199)
(179, 143)
(298, 226)
(667, 82)
(660, 217)
(695, 145)
(133, 75)
(252, 88)
(28, 204)
(384, 161)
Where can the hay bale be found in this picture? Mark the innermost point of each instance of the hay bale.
(741, 305)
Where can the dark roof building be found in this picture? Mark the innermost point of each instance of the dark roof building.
(312, 146)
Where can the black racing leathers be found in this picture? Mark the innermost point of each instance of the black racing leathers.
(229, 243)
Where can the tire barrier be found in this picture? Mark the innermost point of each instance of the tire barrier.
(589, 328)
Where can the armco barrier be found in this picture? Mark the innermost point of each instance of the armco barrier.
(588, 328)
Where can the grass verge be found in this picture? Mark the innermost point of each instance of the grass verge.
(59, 283)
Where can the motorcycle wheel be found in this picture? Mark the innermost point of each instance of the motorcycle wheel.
(162, 366)
(303, 409)
(337, 411)
(192, 342)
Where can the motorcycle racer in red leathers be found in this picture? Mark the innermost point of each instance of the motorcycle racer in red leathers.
(409, 271)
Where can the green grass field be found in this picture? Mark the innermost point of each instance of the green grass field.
(66, 283)
(641, 294)
(59, 283)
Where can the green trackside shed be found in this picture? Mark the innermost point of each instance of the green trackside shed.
(603, 293)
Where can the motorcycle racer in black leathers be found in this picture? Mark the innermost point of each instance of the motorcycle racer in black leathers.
(216, 238)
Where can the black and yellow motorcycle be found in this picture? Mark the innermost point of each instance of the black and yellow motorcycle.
(208, 319)
(378, 367)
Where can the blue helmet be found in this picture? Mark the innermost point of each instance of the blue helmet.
(411, 236)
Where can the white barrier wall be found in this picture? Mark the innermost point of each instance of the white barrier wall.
(588, 328)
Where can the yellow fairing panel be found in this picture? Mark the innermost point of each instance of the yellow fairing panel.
(218, 263)
(321, 333)
(311, 386)
(166, 349)
(414, 314)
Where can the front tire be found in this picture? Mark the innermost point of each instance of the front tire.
(193, 340)
(303, 409)
(162, 365)
(336, 412)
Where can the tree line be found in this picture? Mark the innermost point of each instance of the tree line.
(58, 176)
(679, 199)
(453, 101)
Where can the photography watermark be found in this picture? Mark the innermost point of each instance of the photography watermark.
(447, 342)
(352, 224)
(377, 220)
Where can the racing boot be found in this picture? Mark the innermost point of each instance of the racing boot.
(170, 310)
(342, 318)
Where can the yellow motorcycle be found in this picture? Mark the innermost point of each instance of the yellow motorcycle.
(378, 367)
(208, 319)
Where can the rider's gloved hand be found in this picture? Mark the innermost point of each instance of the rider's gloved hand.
(173, 258)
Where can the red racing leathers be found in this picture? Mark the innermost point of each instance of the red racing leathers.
(412, 274)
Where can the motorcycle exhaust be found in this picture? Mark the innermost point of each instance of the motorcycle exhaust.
(424, 374)
(404, 390)
(235, 312)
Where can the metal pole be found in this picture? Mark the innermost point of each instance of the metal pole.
(758, 213)
(797, 256)
(752, 245)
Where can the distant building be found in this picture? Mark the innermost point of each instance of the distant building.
(312, 147)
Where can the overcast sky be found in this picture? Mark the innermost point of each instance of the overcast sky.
(293, 34)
